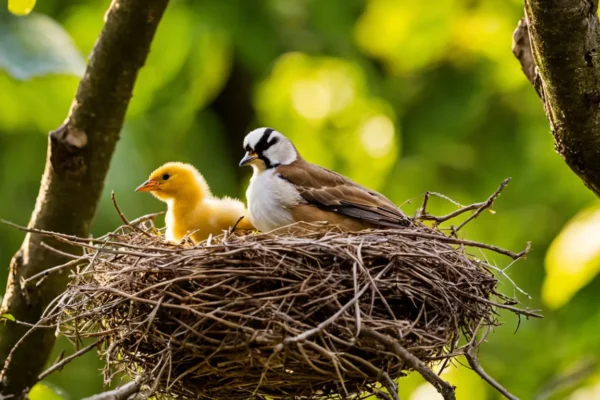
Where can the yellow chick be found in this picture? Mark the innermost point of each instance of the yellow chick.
(191, 206)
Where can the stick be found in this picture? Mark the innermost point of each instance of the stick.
(48, 271)
(468, 243)
(443, 387)
(486, 205)
(306, 334)
(123, 217)
(474, 364)
(67, 360)
(391, 386)
(120, 393)
(479, 207)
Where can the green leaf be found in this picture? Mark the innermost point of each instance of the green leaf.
(44, 391)
(20, 7)
(37, 45)
(573, 259)
(7, 316)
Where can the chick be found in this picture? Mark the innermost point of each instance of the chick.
(191, 206)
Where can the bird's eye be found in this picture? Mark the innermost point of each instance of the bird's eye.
(166, 177)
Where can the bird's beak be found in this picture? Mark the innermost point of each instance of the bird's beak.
(147, 186)
(248, 158)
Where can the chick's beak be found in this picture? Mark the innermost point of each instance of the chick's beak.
(248, 158)
(147, 186)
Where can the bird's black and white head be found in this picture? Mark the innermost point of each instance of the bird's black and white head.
(266, 148)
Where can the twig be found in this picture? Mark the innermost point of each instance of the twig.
(306, 334)
(380, 394)
(468, 243)
(443, 387)
(120, 393)
(234, 227)
(515, 310)
(123, 217)
(486, 205)
(48, 271)
(357, 304)
(67, 360)
(148, 217)
(423, 209)
(391, 386)
(479, 207)
(474, 364)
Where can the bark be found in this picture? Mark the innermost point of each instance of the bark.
(78, 157)
(562, 36)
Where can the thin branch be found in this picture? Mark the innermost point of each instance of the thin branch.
(443, 387)
(391, 386)
(306, 334)
(474, 364)
(47, 272)
(120, 393)
(59, 365)
(123, 217)
(486, 205)
(311, 332)
(468, 243)
(479, 207)
(516, 310)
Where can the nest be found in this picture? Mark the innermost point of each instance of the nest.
(314, 314)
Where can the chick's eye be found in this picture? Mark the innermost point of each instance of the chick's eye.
(166, 177)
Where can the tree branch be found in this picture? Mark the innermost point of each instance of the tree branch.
(59, 365)
(563, 36)
(443, 387)
(423, 215)
(474, 364)
(120, 393)
(78, 157)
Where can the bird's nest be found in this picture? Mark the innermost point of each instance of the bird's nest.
(313, 314)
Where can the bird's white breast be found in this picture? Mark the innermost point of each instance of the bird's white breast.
(270, 199)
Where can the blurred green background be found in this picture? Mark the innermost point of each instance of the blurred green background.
(402, 96)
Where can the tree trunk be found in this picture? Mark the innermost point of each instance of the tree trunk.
(79, 153)
(562, 36)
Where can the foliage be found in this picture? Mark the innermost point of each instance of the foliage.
(36, 45)
(21, 7)
(43, 391)
(400, 96)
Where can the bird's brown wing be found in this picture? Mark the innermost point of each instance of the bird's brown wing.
(333, 192)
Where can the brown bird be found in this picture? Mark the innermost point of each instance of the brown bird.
(286, 189)
(192, 209)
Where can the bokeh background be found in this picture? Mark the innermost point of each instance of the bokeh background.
(403, 96)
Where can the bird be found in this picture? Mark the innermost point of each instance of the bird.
(191, 208)
(285, 189)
